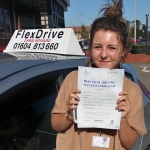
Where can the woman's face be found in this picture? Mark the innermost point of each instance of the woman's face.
(106, 50)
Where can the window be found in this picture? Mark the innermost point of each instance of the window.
(129, 76)
(44, 20)
(30, 104)
(34, 21)
(5, 32)
(33, 14)
(26, 109)
(58, 15)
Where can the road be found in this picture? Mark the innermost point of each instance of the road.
(143, 70)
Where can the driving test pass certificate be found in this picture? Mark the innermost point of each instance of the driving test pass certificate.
(99, 94)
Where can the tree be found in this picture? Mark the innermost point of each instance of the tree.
(144, 30)
(128, 22)
(140, 32)
(138, 24)
(84, 32)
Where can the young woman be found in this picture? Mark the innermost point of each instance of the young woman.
(109, 45)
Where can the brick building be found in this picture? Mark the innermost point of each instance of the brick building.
(78, 29)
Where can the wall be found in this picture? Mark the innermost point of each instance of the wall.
(143, 58)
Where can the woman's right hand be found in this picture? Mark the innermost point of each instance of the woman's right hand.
(58, 120)
(73, 99)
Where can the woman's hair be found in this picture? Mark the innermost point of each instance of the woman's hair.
(112, 20)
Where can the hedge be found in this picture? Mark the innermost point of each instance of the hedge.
(140, 49)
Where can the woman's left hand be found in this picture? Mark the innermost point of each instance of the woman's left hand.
(123, 104)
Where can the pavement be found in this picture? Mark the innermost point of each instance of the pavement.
(143, 70)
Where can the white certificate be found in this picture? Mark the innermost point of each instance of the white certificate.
(99, 94)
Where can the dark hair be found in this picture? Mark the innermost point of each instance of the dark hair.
(112, 20)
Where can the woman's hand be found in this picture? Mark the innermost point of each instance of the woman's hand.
(123, 104)
(74, 99)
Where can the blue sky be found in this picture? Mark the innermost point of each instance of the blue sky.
(85, 11)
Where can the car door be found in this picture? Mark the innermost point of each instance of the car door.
(26, 110)
(143, 141)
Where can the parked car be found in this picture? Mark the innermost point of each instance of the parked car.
(2, 48)
(27, 95)
(137, 40)
(84, 44)
(143, 41)
(29, 83)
